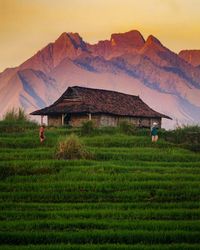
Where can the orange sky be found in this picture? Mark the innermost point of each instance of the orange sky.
(28, 25)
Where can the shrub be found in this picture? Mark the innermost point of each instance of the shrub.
(15, 115)
(185, 134)
(87, 128)
(127, 128)
(70, 148)
(16, 120)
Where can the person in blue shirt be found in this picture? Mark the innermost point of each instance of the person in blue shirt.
(154, 132)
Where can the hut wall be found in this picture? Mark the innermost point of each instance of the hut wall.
(108, 120)
(157, 120)
(132, 120)
(77, 120)
(144, 122)
(103, 120)
(97, 120)
(113, 121)
(55, 120)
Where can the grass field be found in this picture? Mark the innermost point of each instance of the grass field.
(132, 195)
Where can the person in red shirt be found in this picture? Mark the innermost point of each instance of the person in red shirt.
(41, 133)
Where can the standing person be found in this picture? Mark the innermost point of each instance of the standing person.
(41, 133)
(154, 132)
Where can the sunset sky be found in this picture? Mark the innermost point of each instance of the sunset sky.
(28, 25)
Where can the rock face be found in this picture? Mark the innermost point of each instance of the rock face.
(131, 39)
(118, 44)
(68, 45)
(191, 56)
(127, 63)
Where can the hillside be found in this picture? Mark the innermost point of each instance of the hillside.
(126, 63)
(191, 56)
(132, 195)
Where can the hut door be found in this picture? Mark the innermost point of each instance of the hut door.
(67, 119)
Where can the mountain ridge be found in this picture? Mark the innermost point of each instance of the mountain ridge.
(191, 56)
(125, 63)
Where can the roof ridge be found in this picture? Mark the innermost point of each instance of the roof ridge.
(104, 90)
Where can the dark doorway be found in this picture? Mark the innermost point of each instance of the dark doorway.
(67, 119)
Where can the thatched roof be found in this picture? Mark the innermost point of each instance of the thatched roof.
(95, 101)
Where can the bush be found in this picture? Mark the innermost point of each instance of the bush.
(185, 134)
(88, 128)
(71, 148)
(16, 126)
(127, 128)
(16, 120)
(15, 115)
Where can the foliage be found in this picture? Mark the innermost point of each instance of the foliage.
(124, 127)
(187, 136)
(127, 128)
(132, 195)
(17, 126)
(15, 115)
(16, 120)
(88, 128)
(71, 148)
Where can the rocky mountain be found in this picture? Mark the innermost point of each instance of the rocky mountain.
(118, 44)
(164, 80)
(191, 56)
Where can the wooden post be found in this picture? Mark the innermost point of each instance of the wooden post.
(90, 117)
(42, 119)
(63, 119)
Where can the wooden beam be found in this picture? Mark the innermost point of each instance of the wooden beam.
(63, 119)
(42, 119)
(90, 116)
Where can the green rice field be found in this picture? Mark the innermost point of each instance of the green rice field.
(132, 195)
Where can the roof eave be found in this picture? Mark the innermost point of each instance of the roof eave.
(43, 112)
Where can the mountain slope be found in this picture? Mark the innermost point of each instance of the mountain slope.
(125, 63)
(191, 56)
(29, 89)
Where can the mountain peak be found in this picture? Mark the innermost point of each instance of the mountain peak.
(69, 45)
(132, 39)
(62, 38)
(152, 40)
(152, 45)
(124, 62)
(70, 39)
(191, 56)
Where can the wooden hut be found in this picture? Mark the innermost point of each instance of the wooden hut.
(104, 107)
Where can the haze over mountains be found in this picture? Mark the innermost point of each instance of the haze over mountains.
(166, 81)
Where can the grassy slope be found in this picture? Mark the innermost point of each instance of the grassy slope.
(134, 195)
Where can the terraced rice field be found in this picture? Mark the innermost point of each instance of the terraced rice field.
(133, 195)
